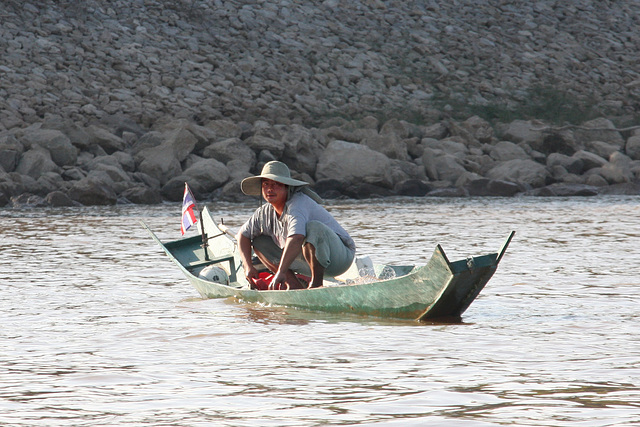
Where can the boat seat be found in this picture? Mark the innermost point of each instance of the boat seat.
(216, 260)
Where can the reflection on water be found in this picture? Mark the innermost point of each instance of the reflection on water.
(99, 328)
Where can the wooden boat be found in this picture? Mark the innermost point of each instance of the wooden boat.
(440, 288)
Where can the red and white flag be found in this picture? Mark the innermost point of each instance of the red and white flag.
(188, 210)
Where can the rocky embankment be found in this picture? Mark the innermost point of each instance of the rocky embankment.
(123, 101)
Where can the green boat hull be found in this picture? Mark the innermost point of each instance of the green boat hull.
(438, 289)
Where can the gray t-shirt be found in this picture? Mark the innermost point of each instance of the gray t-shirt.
(298, 211)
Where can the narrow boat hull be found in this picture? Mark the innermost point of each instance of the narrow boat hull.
(438, 289)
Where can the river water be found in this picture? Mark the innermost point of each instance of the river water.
(98, 327)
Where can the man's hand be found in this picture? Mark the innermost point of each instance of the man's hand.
(251, 274)
(278, 278)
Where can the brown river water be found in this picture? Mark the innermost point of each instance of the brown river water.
(98, 327)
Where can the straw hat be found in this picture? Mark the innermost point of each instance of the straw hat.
(274, 170)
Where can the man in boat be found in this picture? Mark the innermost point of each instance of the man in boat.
(292, 233)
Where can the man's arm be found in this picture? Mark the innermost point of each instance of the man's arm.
(292, 248)
(244, 244)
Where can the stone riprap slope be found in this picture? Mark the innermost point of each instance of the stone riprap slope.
(103, 101)
(302, 61)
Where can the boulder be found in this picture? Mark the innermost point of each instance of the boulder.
(260, 143)
(159, 163)
(412, 187)
(10, 151)
(601, 148)
(561, 142)
(35, 162)
(142, 195)
(173, 190)
(230, 149)
(618, 169)
(396, 128)
(77, 134)
(125, 160)
(163, 161)
(62, 152)
(388, 144)
(507, 150)
(565, 190)
(49, 182)
(624, 189)
(4, 199)
(599, 129)
(589, 160)
(329, 188)
(92, 190)
(529, 132)
(442, 167)
(225, 128)
(526, 172)
(479, 129)
(596, 180)
(365, 190)
(572, 164)
(207, 175)
(58, 199)
(632, 147)
(451, 145)
(302, 149)
(492, 188)
(352, 163)
(103, 138)
(448, 192)
(148, 140)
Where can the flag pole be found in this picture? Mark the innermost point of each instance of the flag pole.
(203, 235)
(205, 239)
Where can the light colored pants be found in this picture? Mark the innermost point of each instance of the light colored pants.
(331, 253)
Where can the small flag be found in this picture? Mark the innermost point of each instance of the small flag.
(188, 210)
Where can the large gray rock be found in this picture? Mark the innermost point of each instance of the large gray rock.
(388, 144)
(230, 149)
(442, 166)
(103, 138)
(479, 129)
(573, 164)
(77, 134)
(632, 147)
(225, 129)
(142, 195)
(265, 143)
(529, 132)
(525, 172)
(10, 151)
(565, 190)
(163, 161)
(92, 190)
(618, 169)
(589, 160)
(601, 148)
(600, 129)
(507, 150)
(492, 188)
(352, 163)
(63, 153)
(207, 175)
(58, 199)
(36, 162)
(451, 145)
(302, 149)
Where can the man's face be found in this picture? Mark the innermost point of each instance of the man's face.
(274, 192)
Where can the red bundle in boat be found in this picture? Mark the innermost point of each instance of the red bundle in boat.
(263, 282)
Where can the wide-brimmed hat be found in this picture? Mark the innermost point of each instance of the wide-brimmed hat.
(274, 170)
